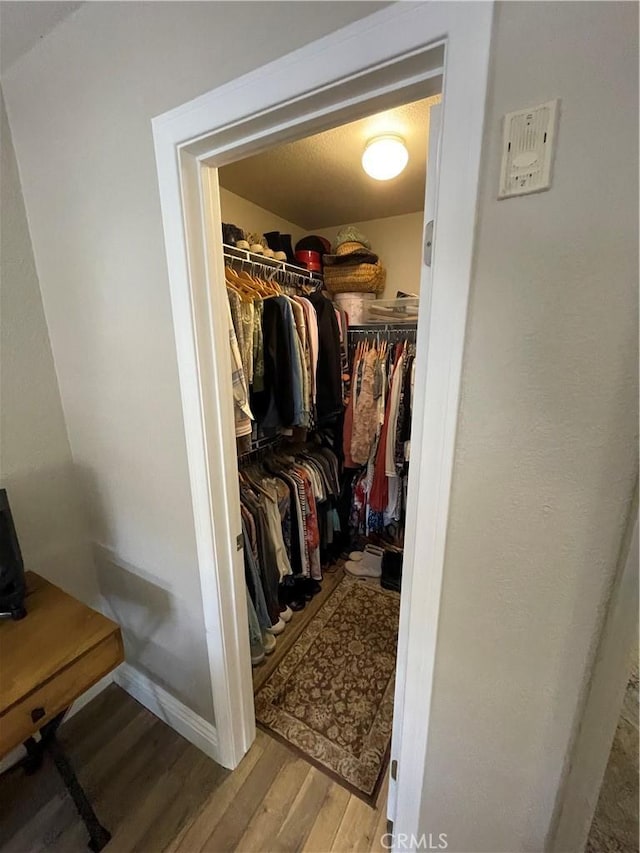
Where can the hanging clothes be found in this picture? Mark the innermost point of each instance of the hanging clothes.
(242, 412)
(365, 410)
(376, 431)
(289, 521)
(329, 373)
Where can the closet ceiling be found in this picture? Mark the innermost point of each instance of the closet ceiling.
(319, 182)
(23, 24)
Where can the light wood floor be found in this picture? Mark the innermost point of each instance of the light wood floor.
(155, 792)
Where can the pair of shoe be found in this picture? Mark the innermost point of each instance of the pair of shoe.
(367, 563)
(283, 248)
(231, 234)
(295, 592)
(269, 635)
(279, 626)
(261, 649)
(253, 242)
(281, 245)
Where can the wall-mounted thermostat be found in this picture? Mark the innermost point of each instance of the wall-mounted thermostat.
(527, 149)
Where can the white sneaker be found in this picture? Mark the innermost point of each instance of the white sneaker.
(257, 655)
(269, 642)
(277, 628)
(286, 614)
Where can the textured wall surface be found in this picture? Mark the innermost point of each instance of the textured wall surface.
(80, 105)
(36, 466)
(251, 217)
(547, 448)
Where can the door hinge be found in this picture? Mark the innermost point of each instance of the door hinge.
(239, 542)
(394, 770)
(428, 242)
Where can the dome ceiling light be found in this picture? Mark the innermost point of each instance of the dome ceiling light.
(385, 157)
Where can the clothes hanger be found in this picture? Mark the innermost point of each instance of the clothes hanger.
(230, 283)
(244, 286)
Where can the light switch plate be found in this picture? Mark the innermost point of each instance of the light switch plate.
(527, 150)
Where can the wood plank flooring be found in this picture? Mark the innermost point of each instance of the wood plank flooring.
(155, 792)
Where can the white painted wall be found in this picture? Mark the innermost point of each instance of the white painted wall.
(250, 217)
(36, 466)
(398, 242)
(80, 105)
(547, 450)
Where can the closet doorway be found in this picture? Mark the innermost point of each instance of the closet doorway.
(323, 268)
(405, 62)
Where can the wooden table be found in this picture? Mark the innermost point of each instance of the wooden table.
(47, 660)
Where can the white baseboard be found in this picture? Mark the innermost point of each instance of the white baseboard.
(19, 752)
(169, 709)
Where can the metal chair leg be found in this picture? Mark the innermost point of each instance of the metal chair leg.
(98, 835)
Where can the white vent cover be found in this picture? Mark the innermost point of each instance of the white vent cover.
(527, 147)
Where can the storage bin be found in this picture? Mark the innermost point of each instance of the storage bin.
(392, 310)
(355, 304)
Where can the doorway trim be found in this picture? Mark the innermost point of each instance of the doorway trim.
(341, 77)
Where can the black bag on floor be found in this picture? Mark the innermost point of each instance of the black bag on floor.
(392, 569)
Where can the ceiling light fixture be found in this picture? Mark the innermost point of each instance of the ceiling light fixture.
(385, 157)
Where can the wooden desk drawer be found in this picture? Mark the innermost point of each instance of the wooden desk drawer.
(17, 723)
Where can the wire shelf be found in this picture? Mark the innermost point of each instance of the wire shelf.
(270, 267)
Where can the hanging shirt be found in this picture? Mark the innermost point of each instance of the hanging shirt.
(298, 365)
(394, 395)
(365, 412)
(241, 410)
(311, 320)
(274, 406)
(329, 375)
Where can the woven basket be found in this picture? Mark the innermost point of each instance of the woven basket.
(355, 278)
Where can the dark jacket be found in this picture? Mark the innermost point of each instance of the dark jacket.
(328, 375)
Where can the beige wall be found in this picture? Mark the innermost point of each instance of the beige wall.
(248, 216)
(80, 104)
(546, 451)
(546, 448)
(36, 466)
(398, 241)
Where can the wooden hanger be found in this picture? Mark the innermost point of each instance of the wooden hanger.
(246, 288)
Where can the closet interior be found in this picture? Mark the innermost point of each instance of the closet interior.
(322, 272)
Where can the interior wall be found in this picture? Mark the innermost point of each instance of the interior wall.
(546, 452)
(398, 242)
(82, 131)
(36, 466)
(546, 448)
(250, 217)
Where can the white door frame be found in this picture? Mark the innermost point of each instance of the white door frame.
(395, 53)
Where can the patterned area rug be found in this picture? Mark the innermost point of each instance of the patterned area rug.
(331, 696)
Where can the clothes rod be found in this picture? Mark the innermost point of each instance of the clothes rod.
(231, 253)
(261, 445)
(377, 328)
